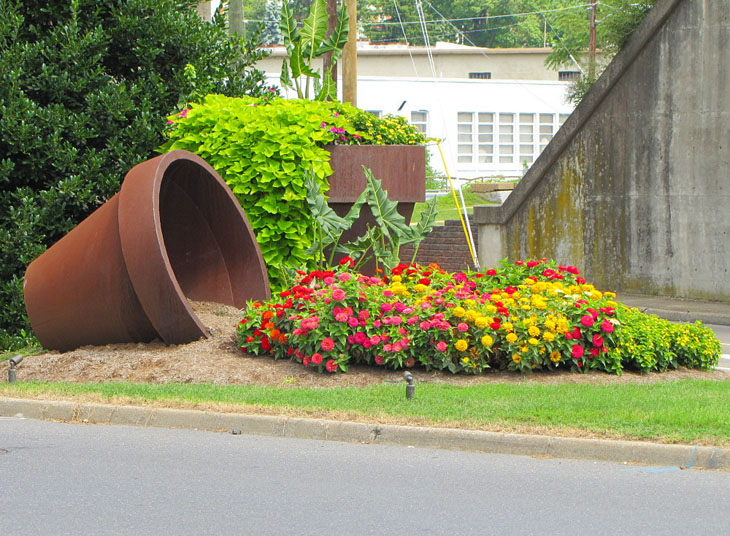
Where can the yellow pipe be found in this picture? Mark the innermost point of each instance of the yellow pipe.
(458, 208)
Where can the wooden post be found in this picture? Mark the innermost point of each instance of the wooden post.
(331, 21)
(592, 42)
(349, 57)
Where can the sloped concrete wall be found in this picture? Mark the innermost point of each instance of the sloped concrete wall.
(635, 188)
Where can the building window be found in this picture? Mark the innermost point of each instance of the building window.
(480, 76)
(419, 119)
(567, 76)
(376, 113)
(505, 139)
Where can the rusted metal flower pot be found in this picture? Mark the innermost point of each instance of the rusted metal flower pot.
(401, 168)
(174, 232)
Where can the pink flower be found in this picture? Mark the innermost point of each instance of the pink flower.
(397, 347)
(306, 360)
(587, 320)
(577, 351)
(396, 320)
(341, 317)
(338, 294)
(331, 365)
(363, 315)
(316, 358)
(597, 340)
(353, 322)
(360, 337)
(379, 359)
(327, 344)
(424, 325)
(375, 339)
(329, 280)
(607, 326)
(462, 326)
(345, 276)
(385, 307)
(387, 347)
(441, 346)
(377, 323)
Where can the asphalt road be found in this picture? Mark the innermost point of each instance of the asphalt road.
(723, 334)
(60, 479)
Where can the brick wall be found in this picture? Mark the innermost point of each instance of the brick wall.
(445, 245)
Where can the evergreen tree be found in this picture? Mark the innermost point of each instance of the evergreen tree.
(271, 33)
(85, 91)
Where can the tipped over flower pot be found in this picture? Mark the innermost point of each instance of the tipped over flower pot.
(174, 233)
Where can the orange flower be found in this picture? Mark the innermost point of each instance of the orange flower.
(274, 334)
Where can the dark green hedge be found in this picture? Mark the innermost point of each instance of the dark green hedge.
(85, 89)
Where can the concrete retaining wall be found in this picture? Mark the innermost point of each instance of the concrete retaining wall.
(635, 188)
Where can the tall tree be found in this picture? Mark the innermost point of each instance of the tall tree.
(85, 91)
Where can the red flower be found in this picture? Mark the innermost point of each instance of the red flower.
(424, 281)
(327, 344)
(331, 365)
(597, 340)
(510, 290)
(577, 351)
(594, 352)
(348, 261)
(491, 271)
(532, 264)
(316, 358)
(607, 326)
(587, 320)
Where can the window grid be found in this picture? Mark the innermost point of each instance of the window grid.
(506, 139)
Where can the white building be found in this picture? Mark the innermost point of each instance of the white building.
(489, 124)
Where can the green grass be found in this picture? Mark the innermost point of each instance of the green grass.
(687, 411)
(446, 208)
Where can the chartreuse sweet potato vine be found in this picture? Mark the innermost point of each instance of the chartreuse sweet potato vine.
(522, 316)
(264, 148)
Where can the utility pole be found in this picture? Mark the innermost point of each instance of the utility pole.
(235, 18)
(592, 42)
(349, 57)
(331, 21)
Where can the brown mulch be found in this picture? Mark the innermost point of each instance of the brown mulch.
(218, 360)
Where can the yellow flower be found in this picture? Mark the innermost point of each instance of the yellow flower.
(482, 321)
(396, 279)
(533, 341)
(555, 356)
(491, 308)
(461, 345)
(459, 311)
(516, 358)
(508, 326)
(511, 337)
(524, 349)
(420, 288)
(470, 303)
(465, 360)
(548, 336)
(525, 307)
(487, 340)
(533, 331)
(471, 315)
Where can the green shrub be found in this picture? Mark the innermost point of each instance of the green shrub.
(263, 148)
(85, 87)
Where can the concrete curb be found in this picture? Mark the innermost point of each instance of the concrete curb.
(633, 452)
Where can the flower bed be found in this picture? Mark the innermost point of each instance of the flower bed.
(523, 316)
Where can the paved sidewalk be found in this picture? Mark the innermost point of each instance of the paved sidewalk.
(628, 452)
(680, 310)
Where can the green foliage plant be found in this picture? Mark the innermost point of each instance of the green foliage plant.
(382, 241)
(304, 45)
(264, 148)
(85, 87)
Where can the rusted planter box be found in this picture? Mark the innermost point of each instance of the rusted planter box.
(401, 168)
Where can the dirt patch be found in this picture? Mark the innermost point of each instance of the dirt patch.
(218, 360)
